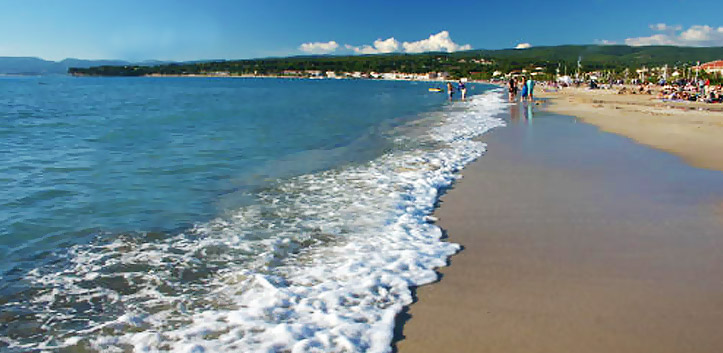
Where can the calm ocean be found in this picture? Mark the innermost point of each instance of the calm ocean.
(219, 214)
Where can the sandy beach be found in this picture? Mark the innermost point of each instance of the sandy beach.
(691, 130)
(578, 240)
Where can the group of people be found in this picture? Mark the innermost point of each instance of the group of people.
(525, 86)
(692, 91)
(460, 86)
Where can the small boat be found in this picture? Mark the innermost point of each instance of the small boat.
(435, 90)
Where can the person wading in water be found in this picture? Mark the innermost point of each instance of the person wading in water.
(450, 90)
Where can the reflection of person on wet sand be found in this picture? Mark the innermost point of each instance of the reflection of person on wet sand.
(450, 90)
(514, 113)
(521, 113)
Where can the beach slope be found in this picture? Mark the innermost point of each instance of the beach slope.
(691, 130)
(575, 240)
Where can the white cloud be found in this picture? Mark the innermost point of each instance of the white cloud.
(436, 42)
(605, 42)
(703, 34)
(695, 36)
(319, 47)
(523, 46)
(655, 39)
(662, 27)
(388, 45)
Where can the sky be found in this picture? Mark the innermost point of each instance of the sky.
(182, 30)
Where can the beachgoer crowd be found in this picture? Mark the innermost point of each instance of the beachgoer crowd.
(683, 90)
(691, 91)
(525, 86)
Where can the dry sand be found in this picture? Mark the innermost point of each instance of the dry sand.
(575, 241)
(693, 131)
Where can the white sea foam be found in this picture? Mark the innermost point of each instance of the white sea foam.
(321, 263)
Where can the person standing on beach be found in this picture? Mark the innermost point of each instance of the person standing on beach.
(462, 88)
(530, 84)
(450, 90)
(523, 96)
(512, 88)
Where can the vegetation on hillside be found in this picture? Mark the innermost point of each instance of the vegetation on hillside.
(481, 64)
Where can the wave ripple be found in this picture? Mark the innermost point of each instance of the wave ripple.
(321, 263)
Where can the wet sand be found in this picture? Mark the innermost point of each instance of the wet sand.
(575, 240)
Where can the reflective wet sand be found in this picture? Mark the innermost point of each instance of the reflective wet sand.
(575, 240)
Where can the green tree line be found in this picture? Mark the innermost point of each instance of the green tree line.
(474, 63)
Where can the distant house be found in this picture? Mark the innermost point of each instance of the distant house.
(483, 62)
(713, 66)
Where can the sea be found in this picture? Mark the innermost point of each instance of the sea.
(223, 214)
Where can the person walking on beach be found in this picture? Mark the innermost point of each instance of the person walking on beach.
(530, 84)
(523, 95)
(512, 89)
(462, 88)
(450, 90)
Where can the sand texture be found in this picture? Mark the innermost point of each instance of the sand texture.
(693, 131)
(575, 240)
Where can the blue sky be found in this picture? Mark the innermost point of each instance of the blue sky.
(194, 30)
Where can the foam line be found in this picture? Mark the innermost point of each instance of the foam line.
(321, 263)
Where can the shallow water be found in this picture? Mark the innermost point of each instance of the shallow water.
(222, 214)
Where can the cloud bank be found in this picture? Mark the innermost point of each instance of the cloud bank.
(436, 42)
(379, 46)
(319, 47)
(523, 46)
(695, 36)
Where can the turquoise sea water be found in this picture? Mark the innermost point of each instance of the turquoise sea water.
(88, 155)
(130, 206)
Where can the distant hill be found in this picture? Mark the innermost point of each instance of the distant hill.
(472, 63)
(37, 66)
(606, 54)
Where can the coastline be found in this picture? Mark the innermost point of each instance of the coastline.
(692, 131)
(574, 240)
(297, 77)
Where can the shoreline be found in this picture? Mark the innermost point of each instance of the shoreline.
(692, 131)
(299, 77)
(573, 240)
